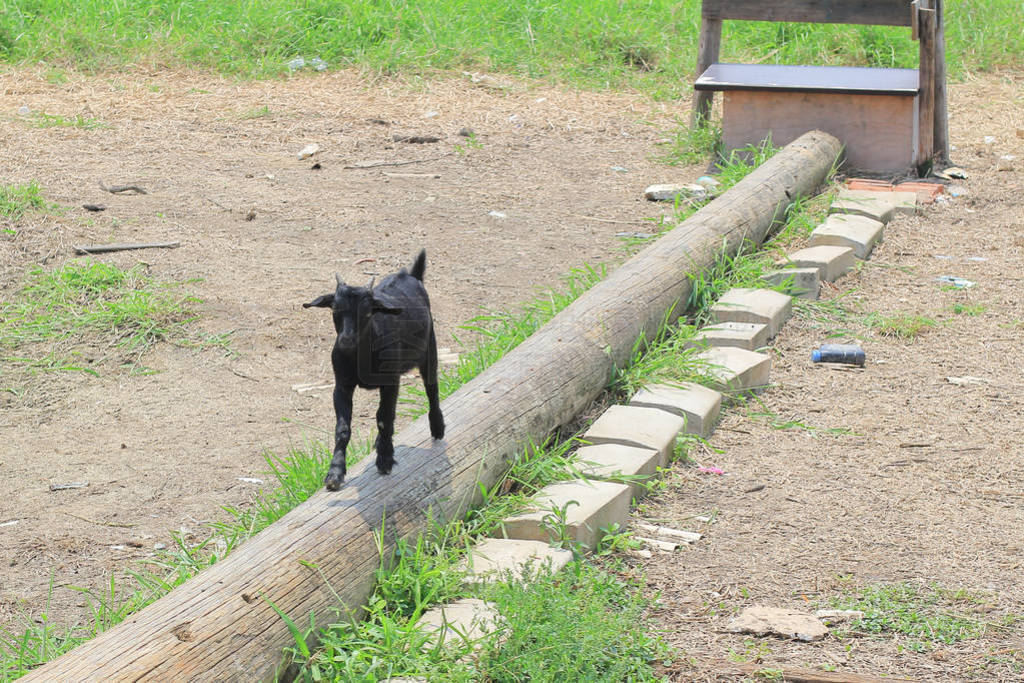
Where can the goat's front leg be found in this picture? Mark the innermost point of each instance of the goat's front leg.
(386, 427)
(342, 434)
(429, 374)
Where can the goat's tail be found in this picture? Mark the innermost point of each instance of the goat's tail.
(420, 265)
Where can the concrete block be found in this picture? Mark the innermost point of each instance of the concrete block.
(610, 459)
(831, 262)
(745, 305)
(589, 505)
(496, 558)
(879, 206)
(465, 620)
(696, 403)
(848, 230)
(641, 427)
(748, 336)
(902, 202)
(735, 369)
(803, 282)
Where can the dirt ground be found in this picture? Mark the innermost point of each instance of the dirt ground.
(164, 452)
(926, 487)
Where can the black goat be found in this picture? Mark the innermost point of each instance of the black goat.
(383, 331)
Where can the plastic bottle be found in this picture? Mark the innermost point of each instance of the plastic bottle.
(850, 354)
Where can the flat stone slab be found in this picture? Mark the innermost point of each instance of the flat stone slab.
(799, 282)
(902, 202)
(748, 336)
(735, 369)
(747, 305)
(611, 460)
(589, 506)
(465, 620)
(831, 262)
(849, 230)
(880, 206)
(494, 559)
(781, 622)
(641, 427)
(696, 403)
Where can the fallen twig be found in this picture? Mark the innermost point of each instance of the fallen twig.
(375, 164)
(119, 525)
(124, 246)
(605, 220)
(115, 189)
(416, 139)
(71, 485)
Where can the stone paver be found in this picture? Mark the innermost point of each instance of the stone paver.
(746, 305)
(495, 558)
(589, 505)
(642, 427)
(611, 460)
(877, 208)
(803, 282)
(463, 620)
(902, 202)
(737, 369)
(848, 230)
(698, 404)
(748, 336)
(831, 262)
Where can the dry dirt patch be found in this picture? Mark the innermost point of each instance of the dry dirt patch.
(163, 452)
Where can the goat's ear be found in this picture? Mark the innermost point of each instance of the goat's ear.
(322, 301)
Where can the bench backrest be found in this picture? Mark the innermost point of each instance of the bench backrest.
(877, 12)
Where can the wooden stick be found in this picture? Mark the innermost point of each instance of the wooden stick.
(115, 189)
(375, 164)
(799, 675)
(119, 525)
(124, 246)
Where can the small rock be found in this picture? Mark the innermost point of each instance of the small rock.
(709, 183)
(466, 132)
(620, 169)
(319, 64)
(94, 207)
(989, 140)
(776, 621)
(24, 110)
(250, 480)
(159, 546)
(668, 192)
(1005, 162)
(497, 214)
(308, 151)
(296, 64)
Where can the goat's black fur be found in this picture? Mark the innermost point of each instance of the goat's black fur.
(383, 331)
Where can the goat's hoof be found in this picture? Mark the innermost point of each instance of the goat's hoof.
(385, 467)
(333, 482)
(437, 429)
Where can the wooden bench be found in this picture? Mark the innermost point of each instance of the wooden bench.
(889, 120)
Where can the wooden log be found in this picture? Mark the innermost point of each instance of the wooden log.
(220, 625)
(707, 54)
(124, 246)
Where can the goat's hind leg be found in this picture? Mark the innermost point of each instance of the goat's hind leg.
(386, 427)
(342, 434)
(429, 374)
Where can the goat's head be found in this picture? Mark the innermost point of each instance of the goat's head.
(352, 308)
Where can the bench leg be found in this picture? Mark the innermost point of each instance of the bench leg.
(707, 54)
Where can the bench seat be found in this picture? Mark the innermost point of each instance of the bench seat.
(872, 111)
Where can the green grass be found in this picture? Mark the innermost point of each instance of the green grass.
(899, 325)
(922, 618)
(595, 43)
(82, 313)
(18, 200)
(44, 120)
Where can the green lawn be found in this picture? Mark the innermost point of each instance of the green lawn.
(591, 43)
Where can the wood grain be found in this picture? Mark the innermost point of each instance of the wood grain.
(881, 12)
(220, 625)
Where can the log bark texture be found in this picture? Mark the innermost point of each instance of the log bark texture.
(220, 624)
